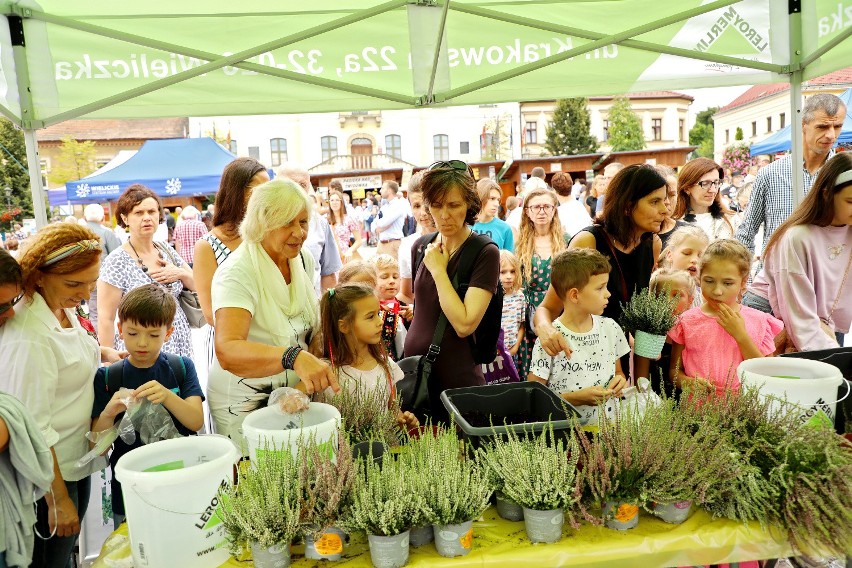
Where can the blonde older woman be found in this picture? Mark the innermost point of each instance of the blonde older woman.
(265, 308)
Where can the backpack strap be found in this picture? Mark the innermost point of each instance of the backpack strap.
(467, 261)
(178, 367)
(113, 376)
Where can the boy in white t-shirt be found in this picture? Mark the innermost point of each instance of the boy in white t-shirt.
(592, 373)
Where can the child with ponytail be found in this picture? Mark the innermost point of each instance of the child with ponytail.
(352, 341)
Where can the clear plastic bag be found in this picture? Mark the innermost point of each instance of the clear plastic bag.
(288, 400)
(637, 398)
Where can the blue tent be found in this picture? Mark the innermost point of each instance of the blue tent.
(780, 141)
(178, 167)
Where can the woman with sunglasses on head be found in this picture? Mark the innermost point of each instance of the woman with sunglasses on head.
(806, 280)
(699, 201)
(540, 240)
(50, 355)
(625, 232)
(449, 193)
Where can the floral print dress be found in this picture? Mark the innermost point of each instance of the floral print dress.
(535, 287)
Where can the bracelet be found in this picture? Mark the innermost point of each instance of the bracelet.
(289, 357)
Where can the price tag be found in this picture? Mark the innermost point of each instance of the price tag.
(329, 544)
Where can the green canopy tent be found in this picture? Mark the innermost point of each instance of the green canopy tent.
(64, 59)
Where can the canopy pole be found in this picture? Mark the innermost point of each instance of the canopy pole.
(19, 54)
(796, 102)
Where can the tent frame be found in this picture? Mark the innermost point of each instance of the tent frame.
(15, 15)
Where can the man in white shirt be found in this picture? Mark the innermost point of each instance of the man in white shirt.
(320, 242)
(390, 221)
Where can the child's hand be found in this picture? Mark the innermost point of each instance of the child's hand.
(617, 384)
(154, 391)
(115, 406)
(731, 321)
(407, 312)
(696, 383)
(407, 421)
(589, 396)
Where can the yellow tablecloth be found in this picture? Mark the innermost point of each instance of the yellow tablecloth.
(502, 544)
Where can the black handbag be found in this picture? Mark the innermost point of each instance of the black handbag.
(413, 388)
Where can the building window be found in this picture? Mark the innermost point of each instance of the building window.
(232, 146)
(754, 128)
(768, 124)
(393, 146)
(44, 170)
(278, 150)
(329, 147)
(98, 163)
(727, 136)
(254, 152)
(680, 130)
(657, 128)
(606, 130)
(464, 147)
(441, 143)
(782, 119)
(531, 133)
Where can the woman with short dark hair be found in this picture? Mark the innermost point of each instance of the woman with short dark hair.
(138, 262)
(449, 192)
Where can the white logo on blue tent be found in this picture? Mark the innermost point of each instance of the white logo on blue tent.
(83, 190)
(173, 186)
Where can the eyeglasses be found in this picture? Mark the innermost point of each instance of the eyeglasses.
(457, 165)
(541, 208)
(9, 305)
(707, 184)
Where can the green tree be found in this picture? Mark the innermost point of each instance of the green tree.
(497, 144)
(568, 134)
(13, 169)
(701, 134)
(738, 135)
(76, 160)
(625, 128)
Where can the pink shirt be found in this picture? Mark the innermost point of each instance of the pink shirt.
(711, 353)
(187, 234)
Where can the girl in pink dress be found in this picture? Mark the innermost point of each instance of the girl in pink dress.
(710, 341)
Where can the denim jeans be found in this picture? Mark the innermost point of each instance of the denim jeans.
(57, 552)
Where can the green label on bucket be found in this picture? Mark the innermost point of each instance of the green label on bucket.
(820, 420)
(169, 466)
(785, 377)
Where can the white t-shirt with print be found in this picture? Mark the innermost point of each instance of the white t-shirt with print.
(592, 361)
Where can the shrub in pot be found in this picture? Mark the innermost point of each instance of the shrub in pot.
(649, 316)
(324, 492)
(540, 474)
(384, 506)
(366, 414)
(457, 491)
(261, 510)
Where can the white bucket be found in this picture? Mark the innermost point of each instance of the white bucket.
(275, 429)
(810, 385)
(170, 499)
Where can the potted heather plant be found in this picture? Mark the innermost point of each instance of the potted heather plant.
(325, 484)
(261, 510)
(540, 474)
(650, 317)
(384, 506)
(367, 417)
(457, 493)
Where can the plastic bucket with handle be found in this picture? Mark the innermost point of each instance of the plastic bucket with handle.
(170, 498)
(270, 428)
(810, 385)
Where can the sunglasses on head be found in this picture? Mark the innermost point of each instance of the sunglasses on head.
(457, 165)
(5, 307)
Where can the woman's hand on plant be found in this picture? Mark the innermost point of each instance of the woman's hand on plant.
(63, 517)
(553, 341)
(731, 321)
(436, 258)
(617, 384)
(407, 421)
(314, 373)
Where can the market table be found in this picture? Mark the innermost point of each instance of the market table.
(500, 543)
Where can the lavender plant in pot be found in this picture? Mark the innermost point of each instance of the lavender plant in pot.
(384, 506)
(650, 317)
(458, 491)
(261, 510)
(540, 474)
(325, 493)
(367, 417)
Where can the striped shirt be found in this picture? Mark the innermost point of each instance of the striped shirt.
(771, 199)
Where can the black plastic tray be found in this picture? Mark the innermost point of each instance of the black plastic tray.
(539, 403)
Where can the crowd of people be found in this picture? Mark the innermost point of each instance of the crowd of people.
(280, 278)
